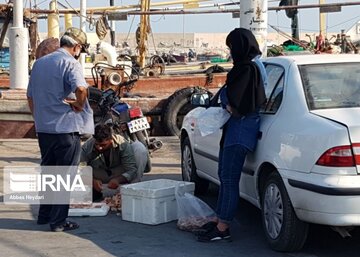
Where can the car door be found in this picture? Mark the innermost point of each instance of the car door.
(274, 95)
(206, 148)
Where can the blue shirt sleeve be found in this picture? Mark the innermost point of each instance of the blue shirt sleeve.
(76, 77)
(29, 93)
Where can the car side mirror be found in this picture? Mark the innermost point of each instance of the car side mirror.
(200, 99)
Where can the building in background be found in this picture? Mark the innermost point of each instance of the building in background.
(180, 41)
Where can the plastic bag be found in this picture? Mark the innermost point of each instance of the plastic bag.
(212, 119)
(192, 211)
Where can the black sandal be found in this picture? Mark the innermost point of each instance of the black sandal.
(67, 226)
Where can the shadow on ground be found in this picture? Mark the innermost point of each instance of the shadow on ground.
(20, 160)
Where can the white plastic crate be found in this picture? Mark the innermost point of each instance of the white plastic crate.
(152, 202)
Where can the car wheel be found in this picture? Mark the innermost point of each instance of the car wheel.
(284, 231)
(188, 169)
(175, 109)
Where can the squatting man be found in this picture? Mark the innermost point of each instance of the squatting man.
(114, 160)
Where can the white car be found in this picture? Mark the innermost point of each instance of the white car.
(306, 166)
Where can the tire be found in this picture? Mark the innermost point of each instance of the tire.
(174, 111)
(142, 137)
(188, 169)
(156, 59)
(284, 231)
(215, 69)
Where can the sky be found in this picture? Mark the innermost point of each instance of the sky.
(220, 23)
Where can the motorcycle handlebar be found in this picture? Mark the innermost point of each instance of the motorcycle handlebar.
(103, 102)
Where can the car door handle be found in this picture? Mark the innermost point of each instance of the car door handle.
(259, 136)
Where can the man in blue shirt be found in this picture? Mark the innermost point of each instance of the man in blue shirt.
(59, 120)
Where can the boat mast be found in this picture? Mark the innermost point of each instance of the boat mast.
(83, 6)
(322, 21)
(144, 28)
(112, 27)
(83, 15)
(53, 21)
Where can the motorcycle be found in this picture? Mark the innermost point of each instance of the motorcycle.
(126, 120)
(108, 108)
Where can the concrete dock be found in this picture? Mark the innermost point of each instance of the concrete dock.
(111, 236)
(97, 236)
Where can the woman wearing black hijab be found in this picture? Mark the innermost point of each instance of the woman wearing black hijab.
(242, 96)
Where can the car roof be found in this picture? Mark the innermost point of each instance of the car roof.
(317, 58)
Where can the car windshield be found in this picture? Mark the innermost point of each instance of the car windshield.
(331, 85)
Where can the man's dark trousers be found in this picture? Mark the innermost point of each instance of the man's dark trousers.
(57, 150)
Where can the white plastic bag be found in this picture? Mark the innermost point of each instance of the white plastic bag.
(212, 119)
(192, 211)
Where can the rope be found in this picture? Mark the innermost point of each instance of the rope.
(153, 40)
(77, 13)
(341, 23)
(298, 42)
(137, 36)
(92, 22)
(37, 5)
(132, 22)
(101, 27)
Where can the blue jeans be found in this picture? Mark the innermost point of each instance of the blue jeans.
(231, 161)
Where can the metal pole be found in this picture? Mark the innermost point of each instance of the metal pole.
(83, 15)
(18, 14)
(19, 55)
(122, 7)
(239, 16)
(144, 23)
(100, 11)
(253, 16)
(322, 20)
(112, 27)
(295, 27)
(68, 20)
(83, 28)
(53, 21)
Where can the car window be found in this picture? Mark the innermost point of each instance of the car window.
(274, 73)
(331, 85)
(274, 89)
(275, 100)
